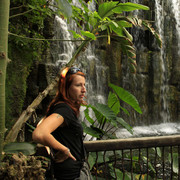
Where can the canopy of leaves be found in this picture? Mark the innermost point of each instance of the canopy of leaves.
(109, 8)
(110, 18)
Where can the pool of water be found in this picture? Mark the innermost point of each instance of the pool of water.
(152, 130)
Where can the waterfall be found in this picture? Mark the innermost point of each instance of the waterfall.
(175, 6)
(160, 64)
(162, 129)
(97, 72)
(62, 52)
(163, 79)
(163, 15)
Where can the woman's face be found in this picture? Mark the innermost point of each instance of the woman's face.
(77, 88)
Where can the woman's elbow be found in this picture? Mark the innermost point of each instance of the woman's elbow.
(36, 136)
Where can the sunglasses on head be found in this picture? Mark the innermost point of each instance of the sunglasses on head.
(72, 70)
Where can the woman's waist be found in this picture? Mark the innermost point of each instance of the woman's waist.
(69, 163)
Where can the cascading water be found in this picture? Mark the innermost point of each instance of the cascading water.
(160, 66)
(62, 52)
(97, 72)
(175, 6)
(159, 20)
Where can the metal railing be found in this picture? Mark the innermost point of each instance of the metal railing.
(135, 158)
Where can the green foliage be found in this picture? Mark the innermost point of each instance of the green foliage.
(24, 147)
(27, 19)
(126, 97)
(109, 8)
(17, 72)
(149, 163)
(149, 27)
(110, 19)
(158, 150)
(175, 162)
(88, 34)
(119, 174)
(105, 117)
(112, 164)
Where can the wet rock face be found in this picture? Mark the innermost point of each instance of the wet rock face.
(156, 83)
(21, 167)
(156, 89)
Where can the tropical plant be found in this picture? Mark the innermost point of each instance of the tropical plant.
(24, 147)
(113, 165)
(108, 22)
(111, 23)
(106, 116)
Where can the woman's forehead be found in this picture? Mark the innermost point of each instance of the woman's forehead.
(77, 77)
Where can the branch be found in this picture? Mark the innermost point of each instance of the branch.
(13, 8)
(20, 14)
(27, 10)
(41, 39)
(13, 133)
(26, 114)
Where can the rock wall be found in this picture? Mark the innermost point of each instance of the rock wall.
(112, 67)
(156, 84)
(147, 85)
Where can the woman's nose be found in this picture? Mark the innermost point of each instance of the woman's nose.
(83, 89)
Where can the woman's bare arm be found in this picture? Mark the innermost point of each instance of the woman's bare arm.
(42, 134)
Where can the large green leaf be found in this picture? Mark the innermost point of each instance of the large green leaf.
(95, 132)
(102, 110)
(129, 7)
(75, 35)
(88, 34)
(113, 102)
(117, 29)
(99, 116)
(91, 159)
(124, 23)
(65, 8)
(113, 122)
(175, 162)
(129, 36)
(86, 112)
(94, 18)
(24, 147)
(124, 124)
(105, 9)
(126, 97)
(124, 110)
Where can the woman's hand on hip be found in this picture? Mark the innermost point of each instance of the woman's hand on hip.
(61, 156)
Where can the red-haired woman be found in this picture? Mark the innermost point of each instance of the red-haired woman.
(61, 130)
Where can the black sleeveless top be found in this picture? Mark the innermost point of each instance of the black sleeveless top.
(70, 136)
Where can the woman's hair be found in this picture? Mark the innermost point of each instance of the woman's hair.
(62, 96)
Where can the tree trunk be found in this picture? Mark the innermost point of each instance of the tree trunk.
(4, 20)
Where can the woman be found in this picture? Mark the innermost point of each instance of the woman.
(61, 130)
